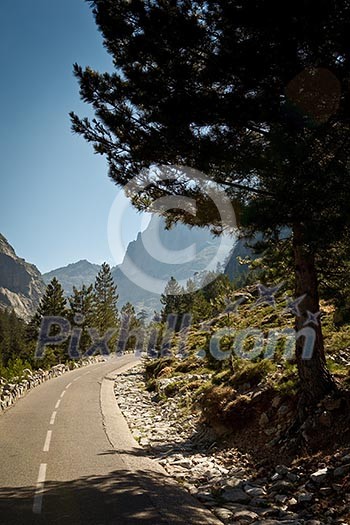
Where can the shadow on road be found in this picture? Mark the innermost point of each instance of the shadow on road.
(121, 498)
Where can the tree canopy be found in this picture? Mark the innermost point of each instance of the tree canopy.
(255, 94)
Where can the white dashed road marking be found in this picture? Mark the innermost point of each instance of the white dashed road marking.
(58, 403)
(63, 394)
(47, 441)
(53, 417)
(38, 497)
(70, 384)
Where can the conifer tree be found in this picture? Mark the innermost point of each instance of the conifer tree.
(174, 304)
(131, 329)
(171, 299)
(52, 304)
(12, 338)
(255, 94)
(82, 312)
(105, 299)
(142, 316)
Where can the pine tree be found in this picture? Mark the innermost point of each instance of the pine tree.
(131, 329)
(171, 299)
(142, 316)
(194, 302)
(253, 93)
(82, 312)
(12, 339)
(105, 299)
(52, 304)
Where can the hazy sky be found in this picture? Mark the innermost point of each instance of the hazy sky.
(55, 193)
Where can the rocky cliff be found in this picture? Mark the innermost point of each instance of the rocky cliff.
(158, 254)
(21, 284)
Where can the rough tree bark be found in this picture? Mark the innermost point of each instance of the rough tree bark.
(316, 380)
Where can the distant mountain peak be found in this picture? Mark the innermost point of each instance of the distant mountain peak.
(147, 253)
(74, 274)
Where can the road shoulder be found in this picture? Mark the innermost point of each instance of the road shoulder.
(174, 504)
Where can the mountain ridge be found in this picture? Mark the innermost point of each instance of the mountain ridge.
(187, 251)
(21, 283)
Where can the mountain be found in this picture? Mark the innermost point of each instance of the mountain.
(21, 284)
(246, 249)
(75, 274)
(234, 269)
(158, 254)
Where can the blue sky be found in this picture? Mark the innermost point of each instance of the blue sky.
(55, 193)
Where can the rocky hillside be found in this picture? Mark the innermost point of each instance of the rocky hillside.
(75, 274)
(21, 284)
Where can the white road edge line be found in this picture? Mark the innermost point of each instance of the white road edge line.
(53, 417)
(63, 394)
(70, 384)
(47, 441)
(38, 496)
(58, 403)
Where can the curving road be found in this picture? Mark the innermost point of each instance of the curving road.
(67, 457)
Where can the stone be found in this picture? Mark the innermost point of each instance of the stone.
(282, 487)
(291, 476)
(275, 522)
(245, 516)
(326, 491)
(342, 471)
(275, 477)
(222, 513)
(281, 498)
(233, 483)
(320, 475)
(282, 470)
(337, 487)
(184, 463)
(259, 502)
(305, 497)
(255, 492)
(235, 496)
(345, 459)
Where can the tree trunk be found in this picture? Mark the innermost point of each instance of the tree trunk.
(316, 380)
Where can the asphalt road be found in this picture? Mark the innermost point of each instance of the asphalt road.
(67, 457)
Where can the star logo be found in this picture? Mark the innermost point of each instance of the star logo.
(207, 325)
(293, 305)
(312, 318)
(232, 307)
(267, 295)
